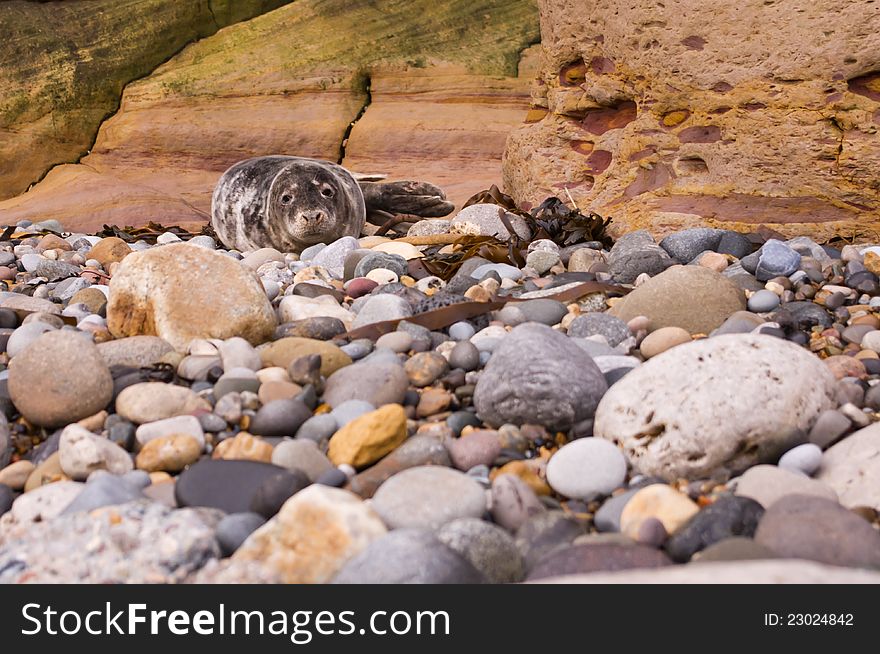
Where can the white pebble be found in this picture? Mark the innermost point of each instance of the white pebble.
(804, 458)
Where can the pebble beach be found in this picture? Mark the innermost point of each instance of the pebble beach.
(175, 412)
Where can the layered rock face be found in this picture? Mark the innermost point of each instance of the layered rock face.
(693, 112)
(63, 66)
(433, 90)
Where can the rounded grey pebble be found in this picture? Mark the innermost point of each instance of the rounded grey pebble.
(465, 355)
(489, 548)
(318, 428)
(652, 533)
(357, 349)
(393, 262)
(763, 302)
(804, 458)
(332, 477)
(234, 529)
(461, 331)
(350, 410)
(6, 498)
(212, 422)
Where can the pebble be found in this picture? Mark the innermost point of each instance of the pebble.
(60, 378)
(234, 529)
(283, 352)
(314, 534)
(376, 383)
(276, 490)
(428, 497)
(16, 474)
(399, 342)
(480, 447)
(490, 549)
(763, 302)
(659, 501)
(153, 401)
(852, 468)
(684, 246)
(295, 308)
(768, 484)
(169, 453)
(581, 559)
(585, 468)
(63, 550)
(613, 330)
(538, 376)
(221, 484)
(178, 425)
(828, 428)
(727, 517)
(775, 259)
(81, 452)
(483, 219)
(805, 458)
(303, 455)
(513, 502)
(280, 418)
(22, 337)
(105, 489)
(408, 556)
(424, 368)
(690, 297)
(819, 529)
(464, 355)
(420, 450)
(245, 447)
(318, 429)
(381, 260)
(367, 439)
(682, 400)
(663, 339)
(636, 253)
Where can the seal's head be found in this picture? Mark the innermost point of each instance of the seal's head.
(308, 204)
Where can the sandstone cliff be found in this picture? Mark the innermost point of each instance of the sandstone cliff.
(63, 66)
(438, 86)
(689, 112)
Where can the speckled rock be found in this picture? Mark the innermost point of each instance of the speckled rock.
(314, 534)
(723, 403)
(538, 376)
(852, 468)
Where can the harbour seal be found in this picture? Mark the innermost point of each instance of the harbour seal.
(289, 203)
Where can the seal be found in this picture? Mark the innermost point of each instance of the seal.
(289, 203)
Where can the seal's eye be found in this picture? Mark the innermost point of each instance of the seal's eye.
(285, 199)
(327, 191)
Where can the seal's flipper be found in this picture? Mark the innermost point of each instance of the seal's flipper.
(412, 198)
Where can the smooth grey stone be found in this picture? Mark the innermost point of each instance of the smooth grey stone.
(464, 355)
(763, 301)
(805, 314)
(212, 422)
(105, 490)
(544, 532)
(350, 410)
(376, 383)
(542, 310)
(318, 428)
(382, 307)
(490, 549)
(828, 428)
(734, 243)
(7, 497)
(408, 556)
(357, 349)
(280, 418)
(461, 331)
(607, 518)
(538, 376)
(685, 245)
(776, 259)
(727, 517)
(233, 530)
(637, 253)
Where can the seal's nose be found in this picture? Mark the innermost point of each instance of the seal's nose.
(314, 217)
